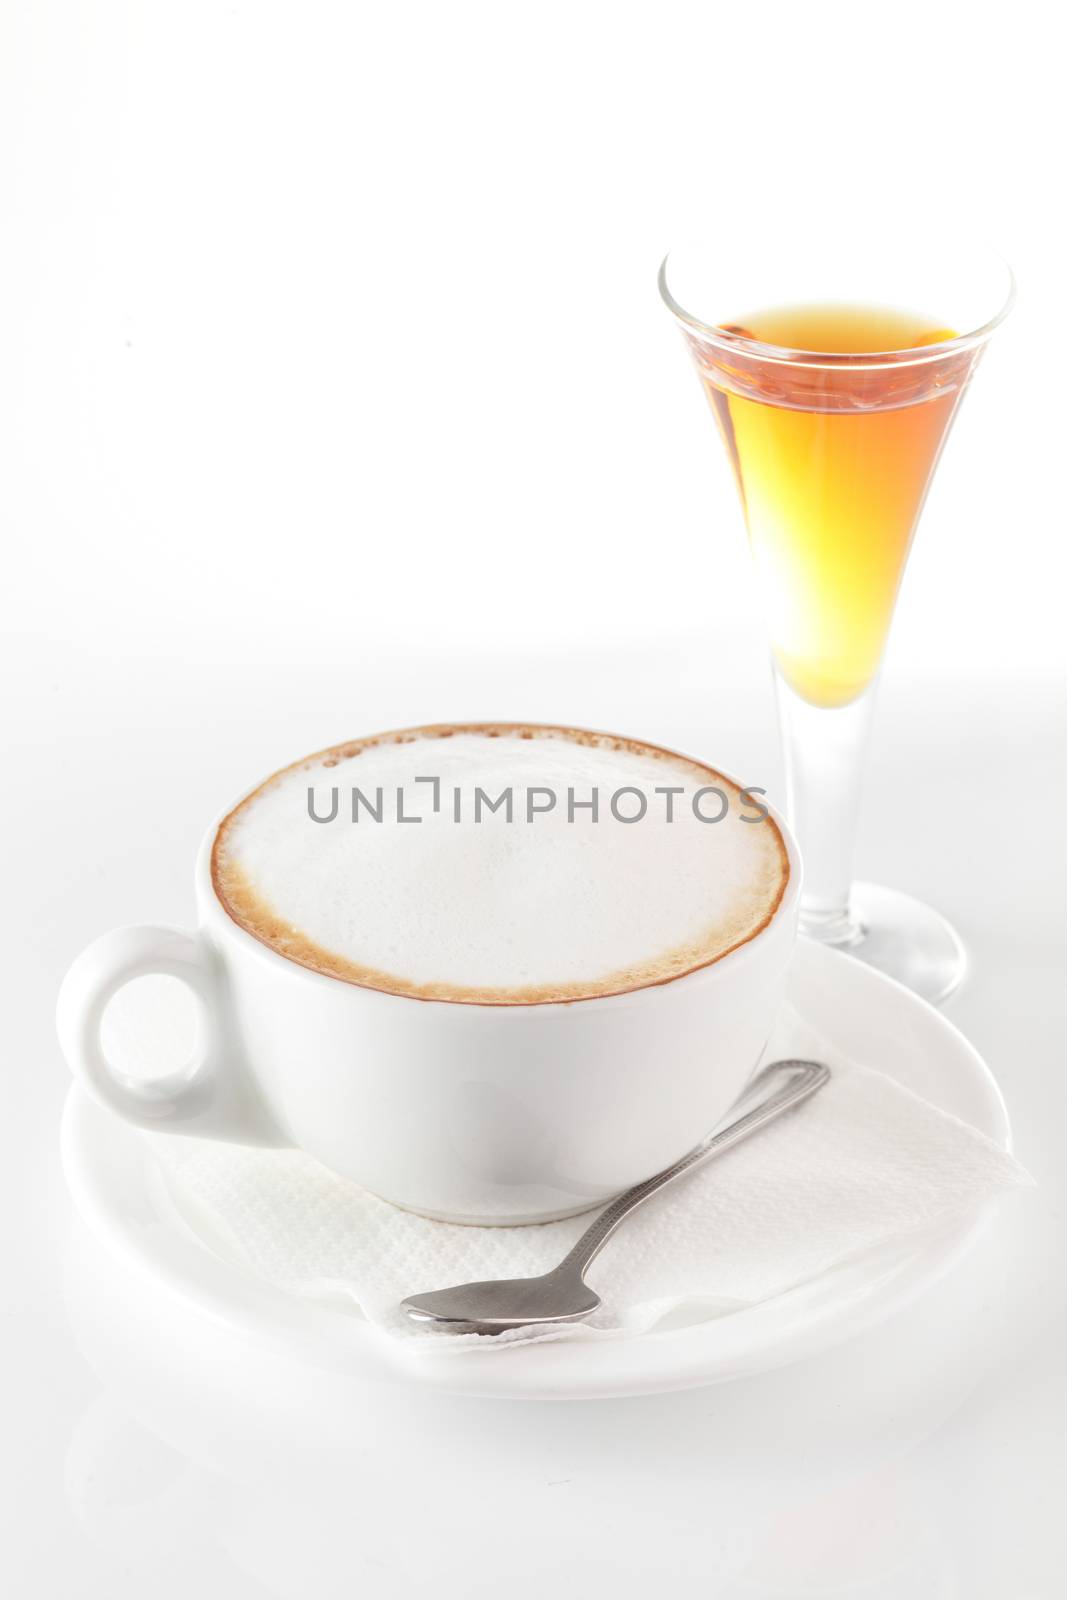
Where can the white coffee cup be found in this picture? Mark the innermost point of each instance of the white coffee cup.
(490, 1114)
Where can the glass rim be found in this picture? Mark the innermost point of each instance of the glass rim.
(736, 343)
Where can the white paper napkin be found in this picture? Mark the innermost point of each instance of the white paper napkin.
(864, 1163)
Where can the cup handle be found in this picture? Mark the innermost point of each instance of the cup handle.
(212, 1096)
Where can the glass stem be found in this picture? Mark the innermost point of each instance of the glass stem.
(825, 749)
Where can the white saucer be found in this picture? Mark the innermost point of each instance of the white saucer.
(118, 1187)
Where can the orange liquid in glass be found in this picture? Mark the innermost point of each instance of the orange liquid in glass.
(833, 460)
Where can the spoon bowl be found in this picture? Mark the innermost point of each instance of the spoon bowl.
(496, 1304)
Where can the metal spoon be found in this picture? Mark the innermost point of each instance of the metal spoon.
(562, 1295)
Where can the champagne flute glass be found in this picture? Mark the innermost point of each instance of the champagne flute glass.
(834, 370)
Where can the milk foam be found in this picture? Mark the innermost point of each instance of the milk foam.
(522, 911)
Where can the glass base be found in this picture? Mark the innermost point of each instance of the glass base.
(899, 935)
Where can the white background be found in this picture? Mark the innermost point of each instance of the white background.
(336, 394)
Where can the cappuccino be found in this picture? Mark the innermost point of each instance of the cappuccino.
(500, 864)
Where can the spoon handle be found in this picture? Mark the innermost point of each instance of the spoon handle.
(802, 1078)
